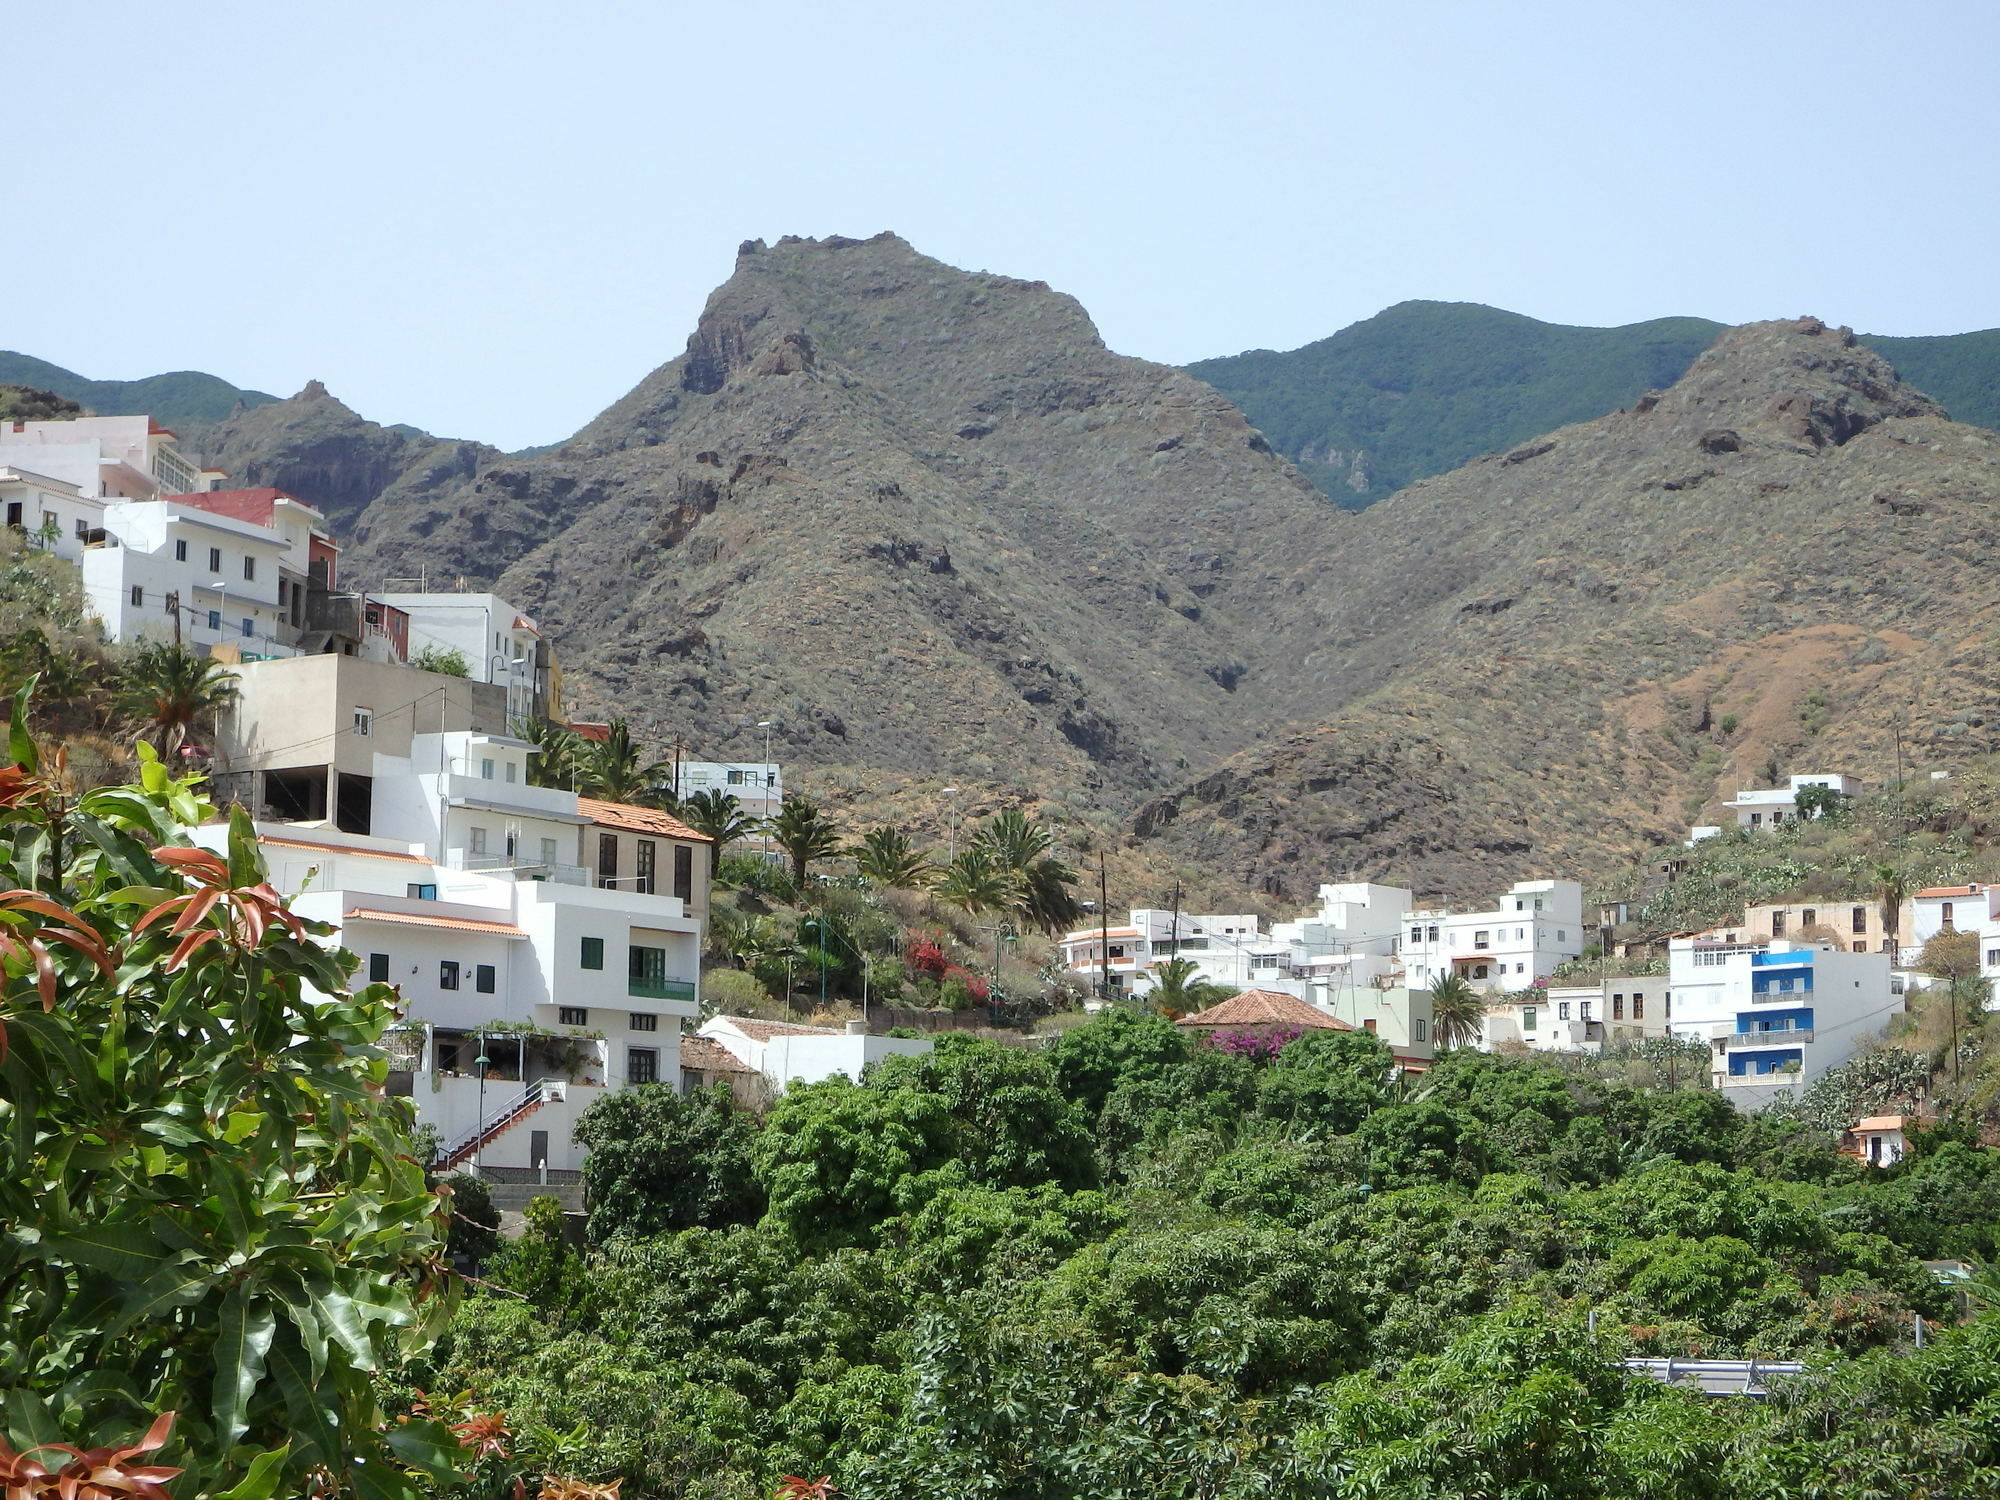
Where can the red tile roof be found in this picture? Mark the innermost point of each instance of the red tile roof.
(704, 1056)
(638, 819)
(1950, 890)
(254, 506)
(1264, 1008)
(324, 848)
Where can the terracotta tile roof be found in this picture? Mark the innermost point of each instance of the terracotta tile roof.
(314, 844)
(590, 730)
(705, 1056)
(1950, 890)
(1880, 1122)
(1264, 1008)
(254, 506)
(763, 1031)
(412, 919)
(638, 819)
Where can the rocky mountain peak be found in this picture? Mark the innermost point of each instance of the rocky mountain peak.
(1797, 382)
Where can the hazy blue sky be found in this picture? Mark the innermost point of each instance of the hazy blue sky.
(490, 219)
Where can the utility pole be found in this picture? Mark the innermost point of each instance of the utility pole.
(1103, 935)
(1174, 931)
(677, 768)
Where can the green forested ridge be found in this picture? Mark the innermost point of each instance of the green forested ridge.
(1140, 1266)
(183, 398)
(1423, 387)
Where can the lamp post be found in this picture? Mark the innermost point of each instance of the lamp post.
(479, 1125)
(951, 847)
(765, 725)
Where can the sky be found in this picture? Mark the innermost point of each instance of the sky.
(491, 219)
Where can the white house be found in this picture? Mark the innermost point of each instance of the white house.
(173, 570)
(105, 458)
(56, 513)
(1536, 925)
(526, 999)
(500, 644)
(787, 1053)
(1777, 1017)
(1225, 949)
(1615, 1011)
(757, 784)
(1768, 807)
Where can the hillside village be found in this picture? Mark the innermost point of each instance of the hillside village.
(394, 748)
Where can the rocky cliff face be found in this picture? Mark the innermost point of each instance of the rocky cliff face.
(314, 446)
(919, 516)
(1557, 656)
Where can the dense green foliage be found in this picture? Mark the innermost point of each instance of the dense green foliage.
(207, 1205)
(1426, 386)
(185, 398)
(1135, 1265)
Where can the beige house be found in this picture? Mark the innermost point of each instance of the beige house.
(1856, 925)
(645, 850)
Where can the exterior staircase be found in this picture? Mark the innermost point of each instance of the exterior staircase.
(510, 1113)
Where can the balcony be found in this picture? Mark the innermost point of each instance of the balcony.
(1732, 1041)
(1777, 1077)
(511, 796)
(643, 988)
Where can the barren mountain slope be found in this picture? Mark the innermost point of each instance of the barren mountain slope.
(1552, 658)
(920, 517)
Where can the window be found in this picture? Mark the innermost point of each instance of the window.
(1756, 820)
(1117, 950)
(486, 768)
(1947, 913)
(684, 872)
(1416, 934)
(364, 723)
(1638, 1006)
(1433, 935)
(1528, 1019)
(1562, 1010)
(1617, 1007)
(1479, 971)
(1777, 924)
(138, 595)
(645, 1020)
(642, 1065)
(181, 550)
(1482, 940)
(1561, 935)
(572, 1015)
(1858, 920)
(593, 953)
(1809, 916)
(647, 969)
(1520, 906)
(423, 892)
(476, 840)
(215, 619)
(378, 968)
(284, 590)
(510, 769)
(215, 559)
(736, 778)
(649, 854)
(249, 566)
(548, 851)
(607, 859)
(1993, 958)
(1520, 968)
(1583, 1010)
(249, 626)
(447, 973)
(483, 979)
(1668, 1003)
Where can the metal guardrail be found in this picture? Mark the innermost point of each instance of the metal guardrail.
(1716, 1377)
(532, 1098)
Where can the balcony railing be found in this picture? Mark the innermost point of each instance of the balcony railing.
(1733, 1040)
(660, 989)
(1776, 1075)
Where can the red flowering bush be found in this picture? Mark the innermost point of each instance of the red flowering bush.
(926, 956)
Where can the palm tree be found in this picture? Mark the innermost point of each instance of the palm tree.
(1011, 841)
(168, 691)
(1456, 1011)
(719, 815)
(561, 749)
(1892, 889)
(1174, 986)
(804, 833)
(975, 884)
(616, 769)
(1042, 883)
(885, 857)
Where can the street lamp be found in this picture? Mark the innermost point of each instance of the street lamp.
(479, 1125)
(765, 725)
(951, 846)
